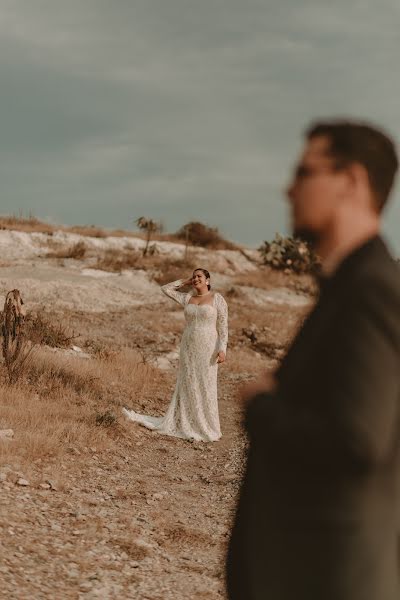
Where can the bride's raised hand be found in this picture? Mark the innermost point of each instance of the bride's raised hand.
(186, 282)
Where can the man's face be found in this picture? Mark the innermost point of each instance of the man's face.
(315, 191)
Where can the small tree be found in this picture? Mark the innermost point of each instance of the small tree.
(150, 227)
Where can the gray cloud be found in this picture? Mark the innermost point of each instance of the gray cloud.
(182, 109)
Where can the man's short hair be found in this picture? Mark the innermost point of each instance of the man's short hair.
(356, 142)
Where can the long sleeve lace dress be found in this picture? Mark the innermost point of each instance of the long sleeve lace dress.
(193, 411)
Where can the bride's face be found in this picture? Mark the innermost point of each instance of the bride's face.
(199, 281)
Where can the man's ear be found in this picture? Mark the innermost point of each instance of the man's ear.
(357, 179)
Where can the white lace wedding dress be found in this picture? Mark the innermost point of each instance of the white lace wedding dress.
(193, 411)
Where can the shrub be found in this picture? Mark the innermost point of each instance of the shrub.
(40, 330)
(77, 251)
(28, 224)
(198, 234)
(116, 260)
(289, 253)
(88, 230)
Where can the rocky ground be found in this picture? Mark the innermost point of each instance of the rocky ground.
(141, 516)
(149, 520)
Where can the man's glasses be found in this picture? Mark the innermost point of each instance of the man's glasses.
(303, 172)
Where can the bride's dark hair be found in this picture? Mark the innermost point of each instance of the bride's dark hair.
(206, 273)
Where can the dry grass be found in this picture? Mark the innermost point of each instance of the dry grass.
(31, 224)
(116, 260)
(217, 244)
(162, 268)
(28, 224)
(46, 330)
(171, 270)
(76, 251)
(88, 230)
(60, 402)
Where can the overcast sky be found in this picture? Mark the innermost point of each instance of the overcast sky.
(182, 109)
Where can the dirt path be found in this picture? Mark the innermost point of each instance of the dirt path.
(148, 521)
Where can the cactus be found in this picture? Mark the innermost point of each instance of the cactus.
(290, 254)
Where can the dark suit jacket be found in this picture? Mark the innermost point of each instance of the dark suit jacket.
(316, 518)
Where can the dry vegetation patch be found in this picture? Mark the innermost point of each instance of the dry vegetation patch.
(76, 251)
(46, 330)
(173, 269)
(162, 269)
(114, 261)
(90, 231)
(29, 224)
(63, 401)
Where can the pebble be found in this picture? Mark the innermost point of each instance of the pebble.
(23, 482)
(52, 485)
(159, 495)
(86, 586)
(6, 434)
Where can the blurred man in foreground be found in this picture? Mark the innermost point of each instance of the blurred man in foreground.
(316, 518)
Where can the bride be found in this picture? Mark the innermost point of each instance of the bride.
(193, 411)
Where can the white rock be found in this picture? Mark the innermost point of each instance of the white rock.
(159, 495)
(22, 482)
(45, 486)
(161, 362)
(6, 433)
(52, 485)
